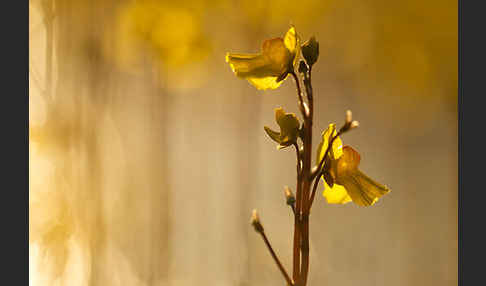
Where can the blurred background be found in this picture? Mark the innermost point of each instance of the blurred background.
(147, 154)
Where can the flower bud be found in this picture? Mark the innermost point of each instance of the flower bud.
(289, 196)
(255, 221)
(310, 51)
(349, 116)
(349, 123)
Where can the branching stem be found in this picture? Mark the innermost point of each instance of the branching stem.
(306, 177)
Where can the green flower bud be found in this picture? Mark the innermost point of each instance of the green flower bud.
(310, 51)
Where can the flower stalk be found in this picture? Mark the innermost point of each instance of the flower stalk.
(306, 182)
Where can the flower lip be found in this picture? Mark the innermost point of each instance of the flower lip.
(348, 162)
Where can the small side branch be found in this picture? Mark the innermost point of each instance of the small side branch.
(255, 221)
(280, 266)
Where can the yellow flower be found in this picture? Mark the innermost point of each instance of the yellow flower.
(343, 181)
(289, 128)
(268, 69)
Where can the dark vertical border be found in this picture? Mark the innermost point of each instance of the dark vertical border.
(459, 134)
(14, 159)
(472, 113)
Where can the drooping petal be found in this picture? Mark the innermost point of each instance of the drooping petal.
(363, 190)
(371, 186)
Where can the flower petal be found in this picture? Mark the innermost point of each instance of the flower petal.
(244, 65)
(348, 162)
(278, 55)
(265, 82)
(289, 125)
(268, 69)
(290, 40)
(335, 195)
(336, 150)
(363, 190)
(272, 134)
(256, 68)
(292, 43)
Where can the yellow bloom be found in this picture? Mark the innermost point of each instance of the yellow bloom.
(343, 181)
(268, 69)
(289, 128)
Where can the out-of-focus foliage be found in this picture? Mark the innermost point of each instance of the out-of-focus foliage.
(377, 44)
(268, 69)
(273, 12)
(173, 34)
(396, 49)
